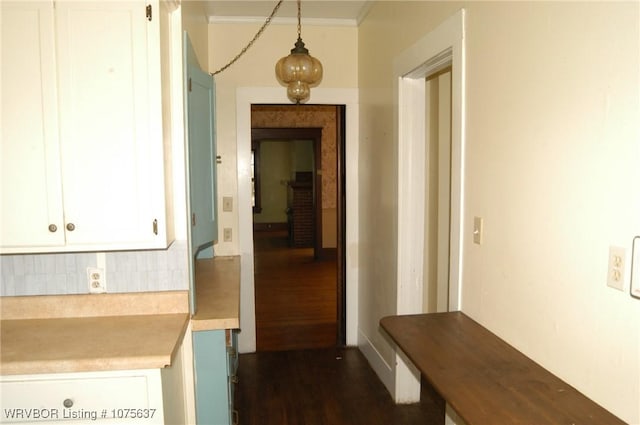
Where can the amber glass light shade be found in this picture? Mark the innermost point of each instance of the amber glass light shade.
(299, 72)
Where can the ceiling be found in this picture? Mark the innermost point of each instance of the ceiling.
(345, 12)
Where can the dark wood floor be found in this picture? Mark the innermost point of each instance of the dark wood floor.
(323, 387)
(296, 296)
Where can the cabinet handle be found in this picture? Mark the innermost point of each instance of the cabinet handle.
(235, 417)
(67, 403)
(53, 228)
(71, 227)
(234, 379)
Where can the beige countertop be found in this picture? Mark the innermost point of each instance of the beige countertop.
(217, 282)
(77, 333)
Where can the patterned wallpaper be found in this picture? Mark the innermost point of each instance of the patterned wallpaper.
(300, 116)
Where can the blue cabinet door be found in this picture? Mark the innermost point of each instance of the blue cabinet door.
(211, 379)
(201, 147)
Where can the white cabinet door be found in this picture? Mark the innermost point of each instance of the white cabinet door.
(110, 128)
(30, 185)
(82, 144)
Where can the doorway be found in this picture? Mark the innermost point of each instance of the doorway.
(440, 49)
(437, 216)
(286, 184)
(347, 98)
(299, 267)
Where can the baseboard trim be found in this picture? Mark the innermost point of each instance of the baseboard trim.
(328, 254)
(384, 371)
(268, 227)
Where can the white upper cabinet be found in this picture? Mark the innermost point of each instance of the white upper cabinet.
(83, 152)
(31, 186)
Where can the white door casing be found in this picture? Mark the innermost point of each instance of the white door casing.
(442, 47)
(245, 97)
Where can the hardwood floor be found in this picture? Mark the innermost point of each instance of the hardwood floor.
(296, 298)
(286, 382)
(323, 387)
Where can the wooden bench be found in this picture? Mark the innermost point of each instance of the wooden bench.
(484, 379)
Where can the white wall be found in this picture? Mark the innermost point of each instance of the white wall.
(195, 23)
(252, 80)
(257, 69)
(551, 164)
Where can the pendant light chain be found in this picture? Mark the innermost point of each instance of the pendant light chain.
(299, 19)
(258, 34)
(299, 71)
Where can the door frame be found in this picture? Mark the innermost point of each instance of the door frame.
(245, 97)
(314, 134)
(442, 47)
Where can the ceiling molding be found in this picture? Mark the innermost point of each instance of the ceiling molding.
(320, 22)
(366, 7)
(314, 12)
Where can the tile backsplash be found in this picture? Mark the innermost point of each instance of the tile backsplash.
(127, 271)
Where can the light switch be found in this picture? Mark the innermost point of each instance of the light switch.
(477, 230)
(227, 204)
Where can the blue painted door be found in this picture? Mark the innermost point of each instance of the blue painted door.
(211, 379)
(201, 148)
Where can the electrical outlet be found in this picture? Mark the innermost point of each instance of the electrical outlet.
(227, 236)
(97, 280)
(227, 204)
(615, 273)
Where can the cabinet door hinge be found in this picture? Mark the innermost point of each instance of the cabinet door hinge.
(155, 226)
(149, 13)
(189, 84)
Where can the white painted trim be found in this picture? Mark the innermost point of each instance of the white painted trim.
(366, 8)
(411, 211)
(318, 22)
(411, 193)
(438, 48)
(245, 97)
(384, 371)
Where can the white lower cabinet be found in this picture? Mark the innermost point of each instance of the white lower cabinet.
(133, 396)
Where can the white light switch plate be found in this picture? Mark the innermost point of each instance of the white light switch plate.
(227, 204)
(477, 230)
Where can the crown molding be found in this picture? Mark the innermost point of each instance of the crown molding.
(320, 22)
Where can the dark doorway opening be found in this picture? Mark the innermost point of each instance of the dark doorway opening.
(300, 287)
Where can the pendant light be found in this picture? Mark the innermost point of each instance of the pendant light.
(299, 71)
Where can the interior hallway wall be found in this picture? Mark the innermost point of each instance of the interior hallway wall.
(551, 164)
(257, 69)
